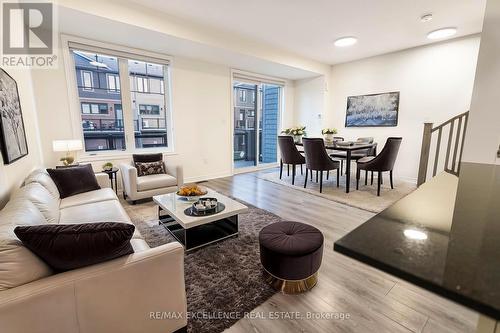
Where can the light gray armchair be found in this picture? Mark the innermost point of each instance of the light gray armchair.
(136, 188)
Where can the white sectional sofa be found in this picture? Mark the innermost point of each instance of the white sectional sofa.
(119, 295)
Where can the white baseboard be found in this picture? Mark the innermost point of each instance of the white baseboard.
(407, 179)
(206, 177)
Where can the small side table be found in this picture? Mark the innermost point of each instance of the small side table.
(112, 176)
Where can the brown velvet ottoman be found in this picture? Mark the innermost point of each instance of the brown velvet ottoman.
(291, 254)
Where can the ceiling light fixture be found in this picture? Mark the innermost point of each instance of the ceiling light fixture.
(345, 41)
(426, 18)
(415, 234)
(442, 33)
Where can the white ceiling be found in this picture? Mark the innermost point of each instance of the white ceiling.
(309, 27)
(77, 23)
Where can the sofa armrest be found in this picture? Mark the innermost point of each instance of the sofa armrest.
(121, 295)
(177, 171)
(103, 180)
(129, 178)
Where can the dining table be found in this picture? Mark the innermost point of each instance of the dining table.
(348, 148)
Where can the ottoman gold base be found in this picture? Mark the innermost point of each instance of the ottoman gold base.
(291, 286)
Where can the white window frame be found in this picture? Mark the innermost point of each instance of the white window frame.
(144, 84)
(115, 78)
(122, 52)
(243, 95)
(91, 75)
(81, 107)
(249, 77)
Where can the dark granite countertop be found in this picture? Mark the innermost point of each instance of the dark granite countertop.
(444, 237)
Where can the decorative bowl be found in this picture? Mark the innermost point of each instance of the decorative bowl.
(201, 191)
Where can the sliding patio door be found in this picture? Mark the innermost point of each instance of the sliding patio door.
(257, 113)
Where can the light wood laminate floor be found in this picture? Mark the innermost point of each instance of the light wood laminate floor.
(374, 300)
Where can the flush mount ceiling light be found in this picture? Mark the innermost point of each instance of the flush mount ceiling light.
(442, 33)
(426, 18)
(345, 41)
(415, 234)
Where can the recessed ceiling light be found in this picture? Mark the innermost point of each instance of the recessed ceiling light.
(442, 33)
(345, 41)
(415, 234)
(426, 18)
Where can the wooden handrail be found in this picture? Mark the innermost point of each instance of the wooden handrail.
(454, 148)
(450, 120)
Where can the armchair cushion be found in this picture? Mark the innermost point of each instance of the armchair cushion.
(147, 158)
(65, 247)
(152, 182)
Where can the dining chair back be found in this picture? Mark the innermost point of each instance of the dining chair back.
(381, 163)
(317, 159)
(316, 156)
(288, 150)
(290, 155)
(387, 158)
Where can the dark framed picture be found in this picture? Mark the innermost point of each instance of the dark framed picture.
(12, 135)
(375, 110)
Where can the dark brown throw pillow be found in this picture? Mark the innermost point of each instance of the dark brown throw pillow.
(147, 158)
(152, 168)
(69, 246)
(74, 180)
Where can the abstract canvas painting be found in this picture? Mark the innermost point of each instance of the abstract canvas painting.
(12, 135)
(372, 110)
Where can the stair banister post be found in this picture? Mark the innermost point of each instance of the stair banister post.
(424, 153)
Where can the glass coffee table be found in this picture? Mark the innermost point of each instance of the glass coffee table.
(196, 231)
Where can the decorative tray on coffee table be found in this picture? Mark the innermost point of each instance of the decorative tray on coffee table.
(204, 207)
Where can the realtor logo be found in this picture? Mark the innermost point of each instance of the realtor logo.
(28, 35)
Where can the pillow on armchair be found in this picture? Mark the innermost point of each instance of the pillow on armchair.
(152, 168)
(149, 164)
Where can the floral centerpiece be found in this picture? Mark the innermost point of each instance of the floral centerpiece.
(296, 132)
(328, 133)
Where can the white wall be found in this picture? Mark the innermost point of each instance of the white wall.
(12, 175)
(201, 109)
(483, 132)
(435, 83)
(310, 100)
(201, 96)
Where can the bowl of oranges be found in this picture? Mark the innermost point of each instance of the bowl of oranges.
(191, 192)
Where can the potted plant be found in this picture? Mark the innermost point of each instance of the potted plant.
(328, 133)
(297, 133)
(107, 166)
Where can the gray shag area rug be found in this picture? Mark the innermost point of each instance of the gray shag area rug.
(224, 277)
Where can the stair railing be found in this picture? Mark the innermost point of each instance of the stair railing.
(455, 144)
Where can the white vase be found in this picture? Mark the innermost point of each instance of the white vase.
(328, 137)
(297, 138)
